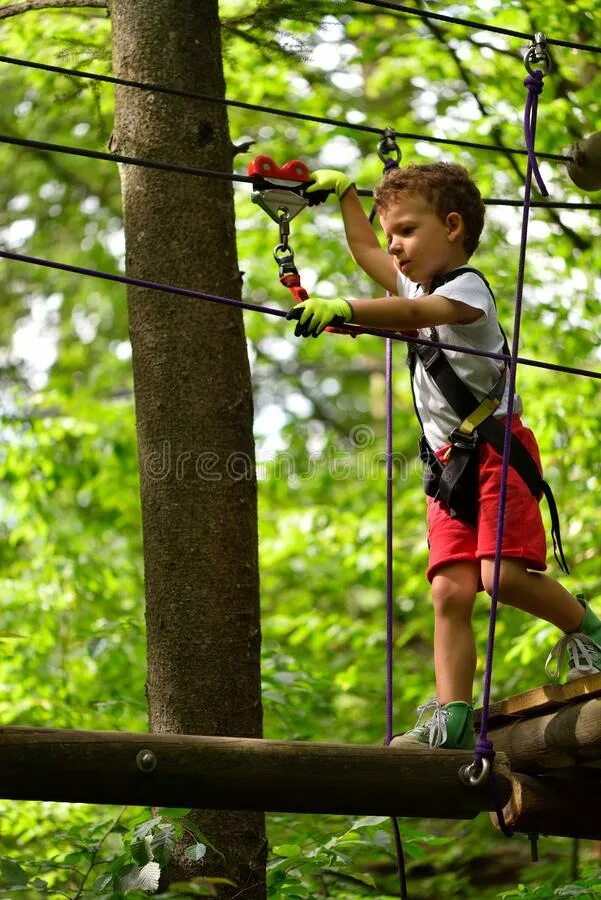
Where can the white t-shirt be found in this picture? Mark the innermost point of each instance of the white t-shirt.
(478, 373)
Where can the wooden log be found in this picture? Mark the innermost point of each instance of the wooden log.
(238, 773)
(568, 736)
(554, 806)
(541, 699)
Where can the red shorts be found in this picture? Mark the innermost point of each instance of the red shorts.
(451, 540)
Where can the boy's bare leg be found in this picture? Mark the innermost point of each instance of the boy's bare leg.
(454, 589)
(534, 593)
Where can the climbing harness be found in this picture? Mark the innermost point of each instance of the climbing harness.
(455, 483)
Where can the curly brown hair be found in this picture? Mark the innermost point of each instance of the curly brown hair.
(445, 186)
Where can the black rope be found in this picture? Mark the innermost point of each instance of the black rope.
(275, 111)
(46, 146)
(480, 26)
(119, 158)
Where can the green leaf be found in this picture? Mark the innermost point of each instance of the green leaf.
(287, 850)
(102, 882)
(13, 872)
(141, 850)
(196, 852)
(369, 821)
(162, 844)
(149, 876)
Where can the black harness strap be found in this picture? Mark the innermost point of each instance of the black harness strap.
(455, 483)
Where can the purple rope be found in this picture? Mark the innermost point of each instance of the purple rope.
(389, 165)
(255, 307)
(389, 548)
(484, 747)
(534, 83)
(398, 843)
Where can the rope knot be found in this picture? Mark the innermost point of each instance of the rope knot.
(534, 82)
(484, 749)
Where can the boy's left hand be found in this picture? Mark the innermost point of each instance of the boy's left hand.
(316, 314)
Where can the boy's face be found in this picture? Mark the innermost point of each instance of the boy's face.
(422, 244)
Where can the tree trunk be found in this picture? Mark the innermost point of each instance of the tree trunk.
(193, 404)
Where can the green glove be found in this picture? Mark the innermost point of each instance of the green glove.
(328, 180)
(315, 315)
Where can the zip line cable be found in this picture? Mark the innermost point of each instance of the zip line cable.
(271, 311)
(46, 146)
(274, 111)
(480, 26)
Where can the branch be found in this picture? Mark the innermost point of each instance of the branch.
(16, 9)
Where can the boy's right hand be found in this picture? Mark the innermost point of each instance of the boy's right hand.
(313, 316)
(328, 181)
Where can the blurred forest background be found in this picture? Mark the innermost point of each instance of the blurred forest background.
(71, 575)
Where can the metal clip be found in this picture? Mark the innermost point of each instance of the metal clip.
(537, 55)
(474, 776)
(276, 201)
(283, 221)
(286, 263)
(464, 440)
(388, 145)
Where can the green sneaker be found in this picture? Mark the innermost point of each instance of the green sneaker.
(581, 647)
(450, 727)
(584, 656)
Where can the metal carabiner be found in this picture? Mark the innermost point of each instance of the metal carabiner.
(283, 221)
(286, 263)
(537, 55)
(388, 145)
(470, 776)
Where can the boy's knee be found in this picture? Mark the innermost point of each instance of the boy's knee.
(452, 597)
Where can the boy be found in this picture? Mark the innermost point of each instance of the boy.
(432, 216)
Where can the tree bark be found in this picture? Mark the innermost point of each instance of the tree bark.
(193, 404)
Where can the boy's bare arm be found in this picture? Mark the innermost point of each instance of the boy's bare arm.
(400, 313)
(363, 243)
(388, 313)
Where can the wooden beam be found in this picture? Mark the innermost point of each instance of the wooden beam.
(568, 736)
(549, 805)
(541, 699)
(238, 773)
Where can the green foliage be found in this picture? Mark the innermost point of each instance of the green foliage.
(121, 860)
(71, 556)
(334, 863)
(586, 888)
